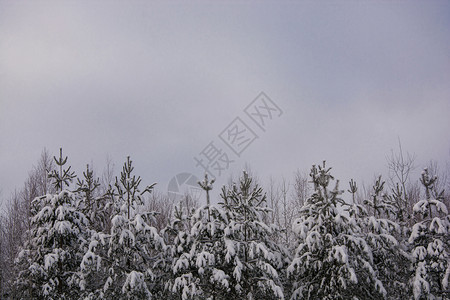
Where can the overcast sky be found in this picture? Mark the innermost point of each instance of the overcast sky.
(161, 80)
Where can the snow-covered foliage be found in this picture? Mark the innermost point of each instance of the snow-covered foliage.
(252, 261)
(84, 245)
(92, 203)
(227, 251)
(124, 258)
(174, 283)
(430, 242)
(390, 258)
(332, 260)
(50, 259)
(198, 260)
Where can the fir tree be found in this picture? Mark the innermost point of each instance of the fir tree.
(88, 186)
(430, 241)
(50, 259)
(65, 176)
(332, 260)
(390, 257)
(252, 261)
(198, 269)
(93, 205)
(124, 257)
(176, 284)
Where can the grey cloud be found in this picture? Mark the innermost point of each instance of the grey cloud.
(159, 81)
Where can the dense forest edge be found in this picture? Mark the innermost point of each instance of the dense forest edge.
(113, 236)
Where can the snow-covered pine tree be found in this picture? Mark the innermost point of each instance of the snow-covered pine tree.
(49, 261)
(87, 187)
(332, 260)
(124, 258)
(92, 203)
(62, 177)
(178, 240)
(93, 206)
(430, 242)
(390, 258)
(252, 261)
(198, 270)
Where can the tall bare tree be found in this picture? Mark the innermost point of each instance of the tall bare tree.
(273, 201)
(287, 210)
(301, 190)
(404, 191)
(107, 177)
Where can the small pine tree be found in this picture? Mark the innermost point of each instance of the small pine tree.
(389, 257)
(50, 259)
(65, 176)
(252, 260)
(430, 242)
(92, 204)
(198, 269)
(174, 282)
(332, 260)
(88, 186)
(124, 258)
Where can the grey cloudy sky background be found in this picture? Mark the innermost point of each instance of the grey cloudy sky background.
(159, 81)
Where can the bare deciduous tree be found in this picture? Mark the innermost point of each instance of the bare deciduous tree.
(286, 199)
(18, 214)
(287, 211)
(107, 177)
(273, 200)
(404, 192)
(45, 165)
(162, 204)
(400, 166)
(301, 189)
